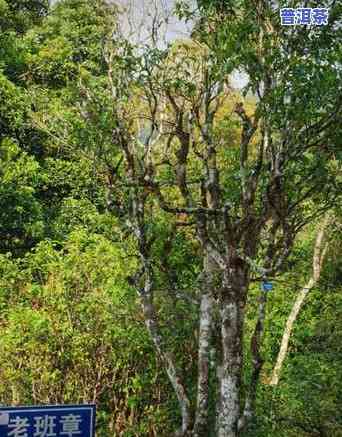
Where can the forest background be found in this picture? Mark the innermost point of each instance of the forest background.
(115, 212)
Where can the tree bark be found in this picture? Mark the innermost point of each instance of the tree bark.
(317, 262)
(201, 419)
(232, 314)
(169, 363)
(257, 362)
(150, 316)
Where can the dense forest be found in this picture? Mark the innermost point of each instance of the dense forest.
(170, 246)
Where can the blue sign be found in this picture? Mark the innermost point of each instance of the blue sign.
(48, 421)
(267, 286)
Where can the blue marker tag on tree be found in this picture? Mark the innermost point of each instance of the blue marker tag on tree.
(267, 286)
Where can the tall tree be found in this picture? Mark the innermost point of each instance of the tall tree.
(166, 151)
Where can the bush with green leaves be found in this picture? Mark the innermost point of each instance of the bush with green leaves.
(72, 332)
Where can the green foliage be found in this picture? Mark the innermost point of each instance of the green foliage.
(69, 38)
(71, 328)
(309, 395)
(12, 107)
(72, 332)
(20, 15)
(20, 211)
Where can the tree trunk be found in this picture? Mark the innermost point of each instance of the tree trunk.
(257, 363)
(169, 363)
(201, 417)
(232, 314)
(288, 330)
(317, 262)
